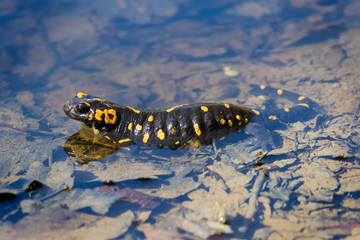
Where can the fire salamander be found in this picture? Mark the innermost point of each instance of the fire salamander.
(184, 125)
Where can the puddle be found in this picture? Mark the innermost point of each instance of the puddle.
(159, 54)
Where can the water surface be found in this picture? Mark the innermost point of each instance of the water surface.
(161, 53)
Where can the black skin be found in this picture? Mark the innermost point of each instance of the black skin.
(184, 126)
(217, 121)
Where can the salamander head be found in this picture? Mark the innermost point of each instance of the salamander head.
(91, 110)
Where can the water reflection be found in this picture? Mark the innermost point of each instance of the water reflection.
(85, 146)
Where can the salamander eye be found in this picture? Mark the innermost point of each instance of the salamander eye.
(82, 107)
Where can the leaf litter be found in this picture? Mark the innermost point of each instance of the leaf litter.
(288, 196)
(68, 224)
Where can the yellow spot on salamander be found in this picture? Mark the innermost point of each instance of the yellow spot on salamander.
(107, 137)
(130, 126)
(87, 104)
(262, 87)
(107, 118)
(172, 131)
(161, 134)
(138, 127)
(172, 108)
(150, 118)
(226, 105)
(222, 121)
(205, 109)
(246, 120)
(279, 91)
(124, 140)
(256, 112)
(304, 105)
(286, 109)
(230, 123)
(238, 117)
(96, 130)
(196, 144)
(80, 94)
(98, 114)
(197, 129)
(301, 98)
(135, 110)
(177, 143)
(239, 123)
(91, 117)
(272, 117)
(146, 137)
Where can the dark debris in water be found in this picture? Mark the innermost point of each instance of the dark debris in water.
(7, 195)
(131, 195)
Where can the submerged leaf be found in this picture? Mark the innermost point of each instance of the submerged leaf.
(29, 206)
(207, 221)
(59, 223)
(37, 171)
(104, 228)
(60, 175)
(99, 202)
(205, 228)
(17, 154)
(153, 233)
(320, 181)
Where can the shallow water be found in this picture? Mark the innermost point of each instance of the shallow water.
(162, 53)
